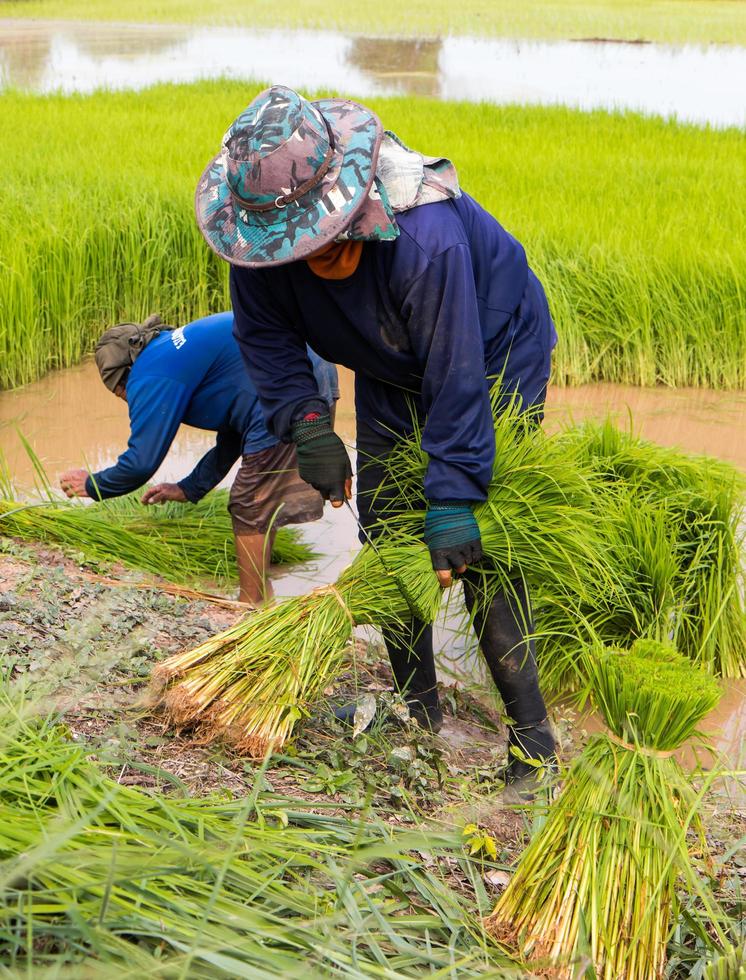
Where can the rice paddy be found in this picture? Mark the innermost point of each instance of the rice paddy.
(222, 823)
(674, 21)
(633, 224)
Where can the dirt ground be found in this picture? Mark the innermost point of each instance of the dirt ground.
(83, 647)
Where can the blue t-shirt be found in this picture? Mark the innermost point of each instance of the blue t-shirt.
(426, 321)
(193, 375)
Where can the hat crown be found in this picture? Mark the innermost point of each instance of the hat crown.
(278, 143)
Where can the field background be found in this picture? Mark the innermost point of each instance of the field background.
(672, 21)
(634, 224)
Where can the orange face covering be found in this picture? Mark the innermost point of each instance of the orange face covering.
(337, 261)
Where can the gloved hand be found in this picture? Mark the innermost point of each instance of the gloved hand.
(322, 458)
(452, 535)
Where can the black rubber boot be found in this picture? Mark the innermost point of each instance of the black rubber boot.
(503, 624)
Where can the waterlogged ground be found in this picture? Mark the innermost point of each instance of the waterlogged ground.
(694, 83)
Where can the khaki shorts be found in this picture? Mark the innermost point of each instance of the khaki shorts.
(268, 492)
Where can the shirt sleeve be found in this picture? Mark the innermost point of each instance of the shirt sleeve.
(274, 353)
(443, 318)
(213, 466)
(156, 408)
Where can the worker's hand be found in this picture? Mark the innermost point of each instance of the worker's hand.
(161, 493)
(73, 483)
(452, 535)
(322, 458)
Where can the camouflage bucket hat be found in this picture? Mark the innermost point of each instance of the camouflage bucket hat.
(290, 178)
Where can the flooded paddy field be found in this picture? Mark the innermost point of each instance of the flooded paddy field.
(692, 83)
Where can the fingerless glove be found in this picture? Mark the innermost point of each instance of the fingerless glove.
(452, 534)
(322, 458)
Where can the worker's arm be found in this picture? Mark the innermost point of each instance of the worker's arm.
(274, 353)
(458, 435)
(213, 467)
(156, 407)
(277, 360)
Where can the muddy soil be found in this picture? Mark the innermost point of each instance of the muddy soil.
(84, 648)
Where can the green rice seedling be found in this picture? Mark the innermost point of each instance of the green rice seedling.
(251, 683)
(102, 879)
(643, 261)
(619, 538)
(599, 877)
(183, 543)
(730, 966)
(679, 21)
(677, 551)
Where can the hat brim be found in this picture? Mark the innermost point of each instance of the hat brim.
(257, 239)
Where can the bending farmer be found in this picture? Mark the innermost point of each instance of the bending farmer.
(341, 237)
(195, 375)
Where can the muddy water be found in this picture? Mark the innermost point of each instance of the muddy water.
(693, 83)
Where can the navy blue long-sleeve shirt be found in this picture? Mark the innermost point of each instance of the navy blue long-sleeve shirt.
(193, 375)
(426, 321)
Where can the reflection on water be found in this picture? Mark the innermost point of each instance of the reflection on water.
(699, 84)
(411, 65)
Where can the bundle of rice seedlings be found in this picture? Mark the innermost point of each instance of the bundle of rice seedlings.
(599, 876)
(251, 683)
(184, 543)
(691, 571)
(618, 537)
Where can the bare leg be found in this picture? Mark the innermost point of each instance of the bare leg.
(253, 554)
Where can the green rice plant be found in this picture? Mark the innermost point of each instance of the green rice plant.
(619, 538)
(183, 543)
(730, 966)
(633, 224)
(599, 877)
(675, 21)
(251, 683)
(102, 879)
(675, 543)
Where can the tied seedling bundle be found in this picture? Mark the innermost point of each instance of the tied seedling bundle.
(675, 546)
(598, 878)
(251, 683)
(665, 528)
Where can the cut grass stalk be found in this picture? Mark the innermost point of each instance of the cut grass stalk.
(599, 877)
(102, 879)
